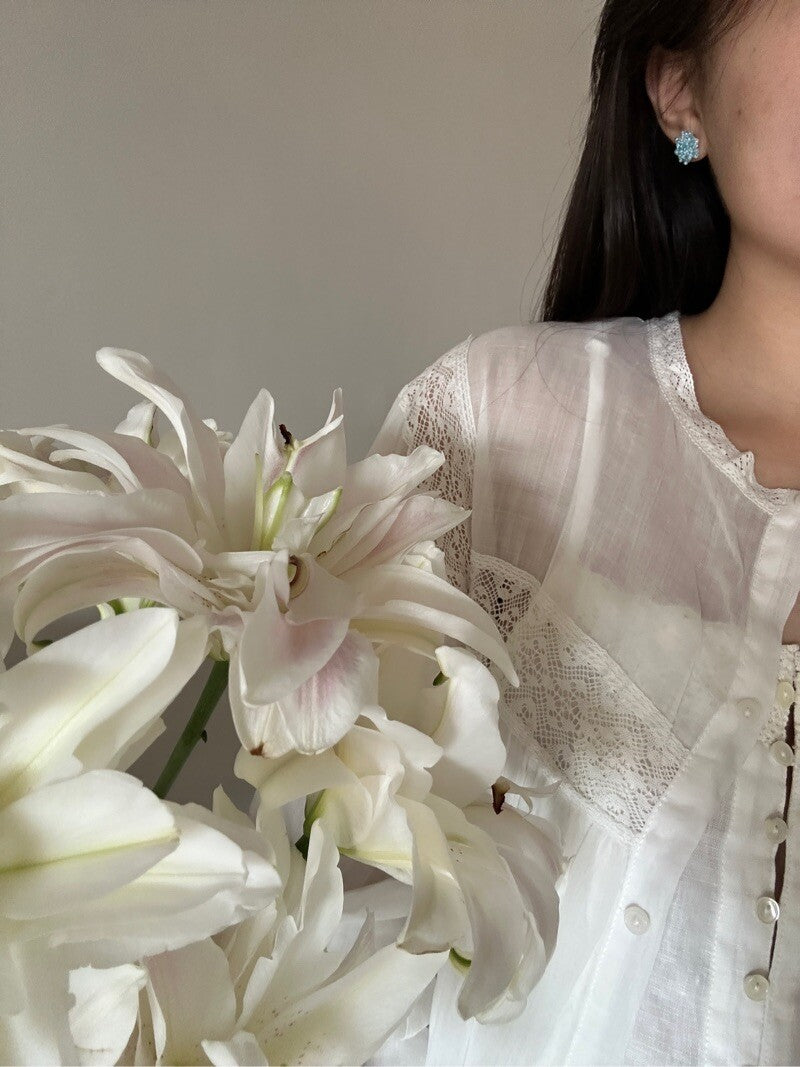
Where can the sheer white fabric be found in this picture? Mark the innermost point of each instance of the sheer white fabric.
(641, 576)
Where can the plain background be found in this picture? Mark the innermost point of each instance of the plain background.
(290, 194)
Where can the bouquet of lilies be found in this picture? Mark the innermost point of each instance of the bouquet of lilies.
(136, 930)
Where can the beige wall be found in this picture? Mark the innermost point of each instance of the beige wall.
(297, 194)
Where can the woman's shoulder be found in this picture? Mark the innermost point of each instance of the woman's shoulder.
(624, 336)
(544, 368)
(543, 362)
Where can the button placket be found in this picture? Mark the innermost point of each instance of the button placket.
(767, 908)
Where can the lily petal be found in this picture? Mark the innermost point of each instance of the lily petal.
(241, 1050)
(28, 524)
(346, 1021)
(199, 442)
(139, 422)
(320, 711)
(275, 653)
(321, 461)
(256, 437)
(465, 712)
(204, 885)
(18, 465)
(82, 576)
(395, 592)
(105, 1009)
(116, 742)
(78, 839)
(391, 529)
(131, 462)
(69, 689)
(196, 997)
(438, 918)
(373, 479)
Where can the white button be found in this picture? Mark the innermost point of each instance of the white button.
(767, 909)
(756, 986)
(636, 919)
(784, 695)
(748, 706)
(776, 829)
(782, 753)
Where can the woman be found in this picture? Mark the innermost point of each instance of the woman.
(632, 463)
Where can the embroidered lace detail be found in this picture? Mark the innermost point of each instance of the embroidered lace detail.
(438, 412)
(674, 375)
(575, 709)
(789, 670)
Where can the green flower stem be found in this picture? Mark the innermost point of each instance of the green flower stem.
(214, 688)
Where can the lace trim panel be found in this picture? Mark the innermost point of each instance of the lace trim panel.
(575, 707)
(438, 411)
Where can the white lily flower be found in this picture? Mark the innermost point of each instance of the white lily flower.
(279, 987)
(296, 562)
(87, 854)
(391, 794)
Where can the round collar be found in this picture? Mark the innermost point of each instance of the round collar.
(674, 375)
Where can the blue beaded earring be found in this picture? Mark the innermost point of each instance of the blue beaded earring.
(686, 147)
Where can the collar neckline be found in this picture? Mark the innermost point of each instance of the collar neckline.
(674, 375)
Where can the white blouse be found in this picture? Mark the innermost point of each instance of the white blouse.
(641, 577)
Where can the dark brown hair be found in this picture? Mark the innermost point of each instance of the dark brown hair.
(641, 234)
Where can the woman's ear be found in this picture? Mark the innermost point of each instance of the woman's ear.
(673, 96)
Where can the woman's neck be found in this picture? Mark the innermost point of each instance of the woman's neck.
(744, 354)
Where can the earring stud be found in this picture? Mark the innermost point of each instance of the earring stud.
(687, 147)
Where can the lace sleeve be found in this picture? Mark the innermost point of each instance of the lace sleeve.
(435, 409)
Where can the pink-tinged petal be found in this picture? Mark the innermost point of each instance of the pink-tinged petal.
(417, 518)
(276, 655)
(374, 479)
(257, 437)
(78, 839)
(319, 712)
(320, 464)
(199, 442)
(322, 710)
(395, 593)
(368, 528)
